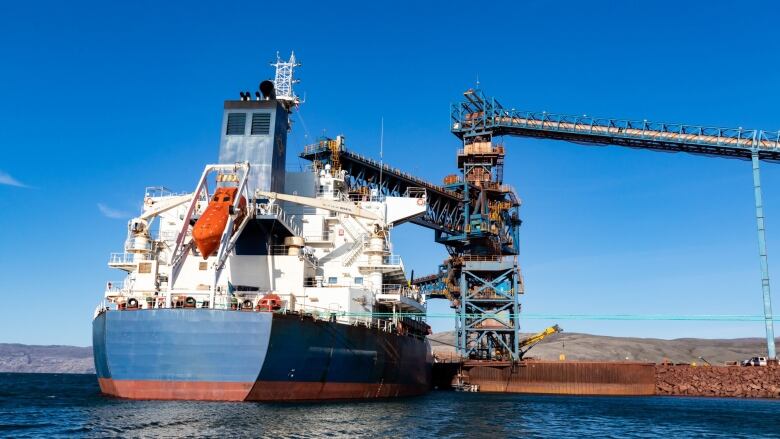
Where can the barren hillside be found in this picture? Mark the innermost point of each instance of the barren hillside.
(597, 347)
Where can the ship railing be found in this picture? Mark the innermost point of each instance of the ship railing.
(278, 250)
(330, 314)
(315, 283)
(160, 301)
(125, 258)
(401, 290)
(325, 144)
(119, 287)
(333, 194)
(309, 311)
(277, 211)
(395, 171)
(392, 289)
(415, 192)
(357, 198)
(392, 260)
(483, 258)
(157, 192)
(161, 192)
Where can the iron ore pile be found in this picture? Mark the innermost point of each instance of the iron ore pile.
(718, 381)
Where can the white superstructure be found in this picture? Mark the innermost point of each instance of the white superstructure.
(332, 258)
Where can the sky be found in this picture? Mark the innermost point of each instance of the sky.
(100, 100)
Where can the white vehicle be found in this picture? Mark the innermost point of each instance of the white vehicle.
(755, 361)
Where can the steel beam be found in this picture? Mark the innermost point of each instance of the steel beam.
(762, 253)
(483, 116)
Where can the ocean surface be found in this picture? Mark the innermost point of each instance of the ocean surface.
(62, 405)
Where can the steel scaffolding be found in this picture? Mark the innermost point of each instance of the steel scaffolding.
(479, 116)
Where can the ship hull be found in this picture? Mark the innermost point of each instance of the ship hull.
(198, 354)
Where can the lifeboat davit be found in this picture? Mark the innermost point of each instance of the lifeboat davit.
(210, 226)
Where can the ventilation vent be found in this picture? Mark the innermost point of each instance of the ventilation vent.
(236, 124)
(261, 123)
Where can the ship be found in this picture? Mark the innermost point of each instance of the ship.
(263, 284)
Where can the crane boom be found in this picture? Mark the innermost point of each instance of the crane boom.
(348, 208)
(165, 206)
(536, 338)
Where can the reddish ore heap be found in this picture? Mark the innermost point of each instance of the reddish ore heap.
(718, 381)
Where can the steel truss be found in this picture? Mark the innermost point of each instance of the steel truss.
(488, 324)
(479, 116)
(443, 214)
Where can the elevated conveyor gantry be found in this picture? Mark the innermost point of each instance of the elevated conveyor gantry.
(479, 115)
(480, 118)
(443, 214)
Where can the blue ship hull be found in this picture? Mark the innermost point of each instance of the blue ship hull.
(200, 354)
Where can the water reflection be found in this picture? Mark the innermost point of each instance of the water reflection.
(71, 406)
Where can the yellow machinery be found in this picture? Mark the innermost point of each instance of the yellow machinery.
(529, 342)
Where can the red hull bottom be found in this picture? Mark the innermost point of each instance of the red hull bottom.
(173, 390)
(256, 391)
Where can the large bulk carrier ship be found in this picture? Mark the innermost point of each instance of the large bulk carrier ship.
(263, 284)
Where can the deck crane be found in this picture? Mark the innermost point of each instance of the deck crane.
(479, 118)
(345, 207)
(394, 210)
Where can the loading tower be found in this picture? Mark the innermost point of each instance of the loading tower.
(480, 116)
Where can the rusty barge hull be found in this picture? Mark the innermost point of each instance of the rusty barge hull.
(560, 378)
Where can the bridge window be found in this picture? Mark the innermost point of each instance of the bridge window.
(236, 124)
(358, 280)
(261, 123)
(333, 280)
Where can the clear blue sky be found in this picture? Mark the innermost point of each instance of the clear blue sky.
(99, 100)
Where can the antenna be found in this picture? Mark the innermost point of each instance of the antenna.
(283, 81)
(381, 151)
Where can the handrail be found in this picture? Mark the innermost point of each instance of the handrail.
(122, 258)
(277, 211)
(486, 114)
(318, 147)
(392, 260)
(483, 258)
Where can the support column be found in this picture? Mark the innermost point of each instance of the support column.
(770, 331)
(463, 332)
(516, 311)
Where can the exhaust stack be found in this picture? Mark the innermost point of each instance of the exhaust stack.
(268, 90)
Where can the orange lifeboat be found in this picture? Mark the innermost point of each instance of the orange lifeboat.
(209, 227)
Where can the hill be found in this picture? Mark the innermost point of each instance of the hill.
(603, 348)
(49, 359)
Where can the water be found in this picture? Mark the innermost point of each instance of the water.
(54, 405)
